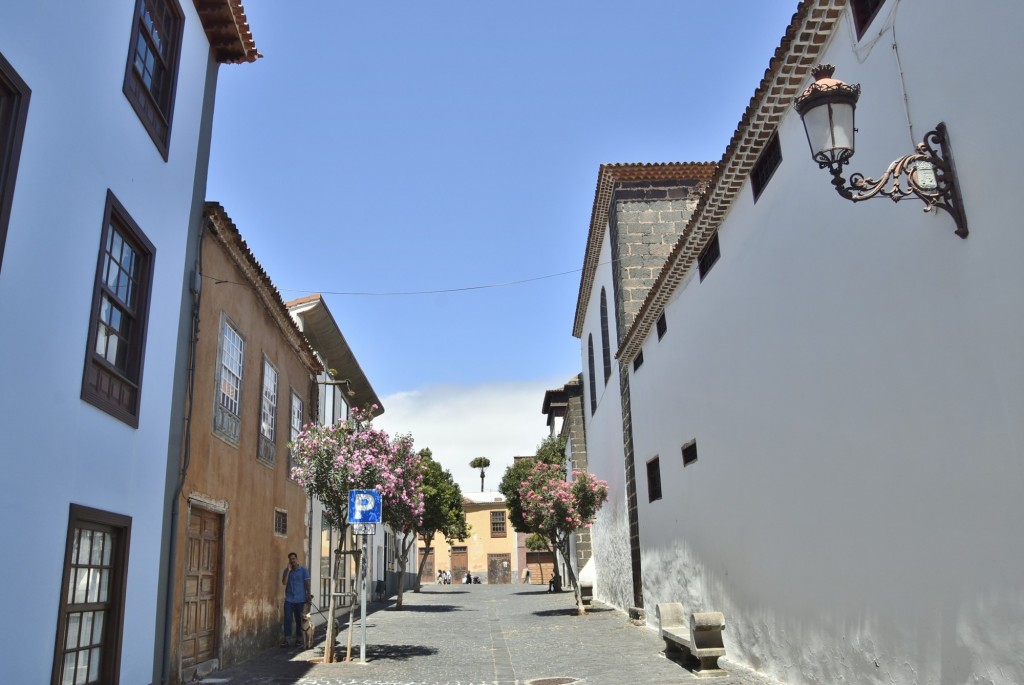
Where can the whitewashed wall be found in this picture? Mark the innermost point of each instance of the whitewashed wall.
(853, 375)
(83, 137)
(610, 532)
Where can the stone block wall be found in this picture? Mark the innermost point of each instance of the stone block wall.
(646, 220)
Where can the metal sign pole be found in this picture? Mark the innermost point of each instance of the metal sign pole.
(364, 512)
(362, 608)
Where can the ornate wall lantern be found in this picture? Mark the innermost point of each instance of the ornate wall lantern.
(827, 110)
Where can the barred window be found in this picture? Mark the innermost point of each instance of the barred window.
(295, 427)
(227, 420)
(498, 524)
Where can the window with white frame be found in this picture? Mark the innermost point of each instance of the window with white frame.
(90, 618)
(227, 421)
(297, 416)
(268, 414)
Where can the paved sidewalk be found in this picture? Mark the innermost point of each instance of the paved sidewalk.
(486, 635)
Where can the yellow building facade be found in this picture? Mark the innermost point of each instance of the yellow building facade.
(488, 554)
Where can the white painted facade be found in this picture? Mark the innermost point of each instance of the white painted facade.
(853, 377)
(82, 137)
(610, 531)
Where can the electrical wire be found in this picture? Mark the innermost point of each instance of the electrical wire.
(394, 293)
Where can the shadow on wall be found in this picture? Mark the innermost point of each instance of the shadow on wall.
(610, 539)
(893, 641)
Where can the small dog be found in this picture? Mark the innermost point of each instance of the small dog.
(307, 627)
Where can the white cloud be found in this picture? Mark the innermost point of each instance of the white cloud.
(458, 423)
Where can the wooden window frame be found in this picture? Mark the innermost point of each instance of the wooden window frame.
(227, 423)
(101, 379)
(120, 527)
(709, 256)
(155, 109)
(266, 451)
(281, 517)
(14, 98)
(606, 351)
(654, 492)
(662, 325)
(638, 361)
(499, 527)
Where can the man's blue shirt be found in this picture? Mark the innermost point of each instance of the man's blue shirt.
(295, 591)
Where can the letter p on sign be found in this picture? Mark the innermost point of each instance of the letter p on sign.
(363, 506)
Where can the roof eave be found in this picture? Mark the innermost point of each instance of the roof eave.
(809, 32)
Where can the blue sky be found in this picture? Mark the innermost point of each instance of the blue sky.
(403, 147)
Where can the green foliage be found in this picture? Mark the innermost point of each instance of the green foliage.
(509, 487)
(481, 463)
(443, 512)
(550, 451)
(537, 543)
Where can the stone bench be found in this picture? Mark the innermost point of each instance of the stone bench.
(700, 637)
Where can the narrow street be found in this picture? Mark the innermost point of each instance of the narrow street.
(486, 634)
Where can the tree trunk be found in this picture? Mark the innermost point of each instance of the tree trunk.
(563, 547)
(403, 559)
(423, 562)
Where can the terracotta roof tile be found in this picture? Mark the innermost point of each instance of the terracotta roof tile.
(224, 229)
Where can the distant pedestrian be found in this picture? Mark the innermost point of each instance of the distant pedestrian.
(526, 578)
(440, 576)
(468, 580)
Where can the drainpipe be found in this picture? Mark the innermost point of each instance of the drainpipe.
(197, 290)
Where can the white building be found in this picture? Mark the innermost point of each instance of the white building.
(347, 387)
(105, 117)
(825, 429)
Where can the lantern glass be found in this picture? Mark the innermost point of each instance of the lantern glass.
(830, 130)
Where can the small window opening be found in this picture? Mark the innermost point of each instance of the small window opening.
(689, 453)
(708, 256)
(764, 168)
(653, 480)
(662, 325)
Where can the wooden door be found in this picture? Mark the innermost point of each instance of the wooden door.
(201, 607)
(428, 575)
(541, 565)
(460, 563)
(499, 568)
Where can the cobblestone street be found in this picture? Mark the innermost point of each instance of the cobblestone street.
(486, 634)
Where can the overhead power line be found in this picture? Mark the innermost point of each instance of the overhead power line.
(395, 293)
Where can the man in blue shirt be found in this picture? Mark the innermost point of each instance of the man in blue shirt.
(296, 593)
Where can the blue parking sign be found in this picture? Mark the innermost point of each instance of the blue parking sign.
(363, 506)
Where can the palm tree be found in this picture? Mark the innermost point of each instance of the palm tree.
(480, 463)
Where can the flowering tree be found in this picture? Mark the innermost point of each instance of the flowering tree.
(557, 508)
(403, 510)
(331, 460)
